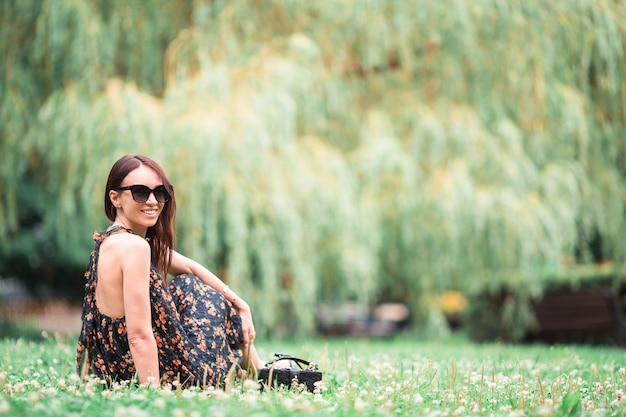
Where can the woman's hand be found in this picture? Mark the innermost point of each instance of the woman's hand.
(247, 325)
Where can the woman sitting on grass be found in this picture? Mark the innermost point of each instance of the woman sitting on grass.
(190, 331)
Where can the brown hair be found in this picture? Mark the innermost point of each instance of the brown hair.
(162, 235)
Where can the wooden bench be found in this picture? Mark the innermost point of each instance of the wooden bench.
(593, 315)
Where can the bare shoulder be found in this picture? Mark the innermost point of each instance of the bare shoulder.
(124, 244)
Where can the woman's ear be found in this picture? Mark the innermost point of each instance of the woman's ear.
(114, 196)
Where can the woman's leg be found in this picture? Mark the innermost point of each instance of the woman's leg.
(251, 360)
(210, 322)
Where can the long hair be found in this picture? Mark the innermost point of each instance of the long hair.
(161, 236)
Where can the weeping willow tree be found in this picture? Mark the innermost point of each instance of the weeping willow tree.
(330, 150)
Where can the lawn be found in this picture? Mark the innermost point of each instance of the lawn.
(400, 376)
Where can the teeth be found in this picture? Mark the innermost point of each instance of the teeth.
(150, 211)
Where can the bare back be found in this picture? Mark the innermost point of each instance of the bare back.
(116, 251)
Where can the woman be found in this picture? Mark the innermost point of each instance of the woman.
(190, 331)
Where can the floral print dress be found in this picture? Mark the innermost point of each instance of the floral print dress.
(196, 330)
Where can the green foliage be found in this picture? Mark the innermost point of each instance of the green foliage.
(327, 150)
(570, 406)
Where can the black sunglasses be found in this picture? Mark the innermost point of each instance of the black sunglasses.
(141, 193)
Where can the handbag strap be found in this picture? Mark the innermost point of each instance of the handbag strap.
(299, 361)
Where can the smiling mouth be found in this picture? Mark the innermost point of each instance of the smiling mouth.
(150, 212)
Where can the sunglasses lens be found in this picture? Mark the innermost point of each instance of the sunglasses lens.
(161, 194)
(141, 193)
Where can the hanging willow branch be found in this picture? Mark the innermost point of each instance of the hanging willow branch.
(331, 150)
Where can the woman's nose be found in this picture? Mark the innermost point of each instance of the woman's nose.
(151, 198)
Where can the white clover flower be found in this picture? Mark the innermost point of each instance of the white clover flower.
(288, 403)
(131, 411)
(319, 400)
(35, 397)
(138, 395)
(297, 387)
(250, 398)
(188, 394)
(250, 385)
(319, 387)
(544, 410)
(374, 373)
(587, 404)
(359, 404)
(159, 403)
(220, 394)
(178, 413)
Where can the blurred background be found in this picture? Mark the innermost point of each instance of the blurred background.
(340, 163)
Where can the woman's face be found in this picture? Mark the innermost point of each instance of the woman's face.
(138, 216)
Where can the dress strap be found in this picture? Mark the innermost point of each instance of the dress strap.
(99, 237)
(117, 227)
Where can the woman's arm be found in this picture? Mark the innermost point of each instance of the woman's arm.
(183, 265)
(136, 282)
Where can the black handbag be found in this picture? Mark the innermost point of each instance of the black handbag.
(272, 376)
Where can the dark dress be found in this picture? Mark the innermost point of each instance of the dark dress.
(196, 330)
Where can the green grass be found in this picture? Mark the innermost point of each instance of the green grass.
(401, 376)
